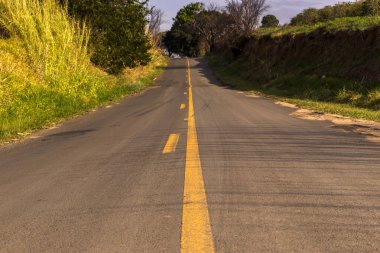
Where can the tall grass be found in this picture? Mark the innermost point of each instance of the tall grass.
(45, 69)
(55, 45)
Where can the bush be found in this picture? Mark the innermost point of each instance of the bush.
(371, 8)
(118, 32)
(308, 16)
(341, 10)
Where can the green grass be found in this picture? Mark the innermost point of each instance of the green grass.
(339, 24)
(27, 107)
(45, 71)
(336, 108)
(331, 95)
(300, 79)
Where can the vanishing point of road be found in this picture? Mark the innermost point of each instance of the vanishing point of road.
(191, 166)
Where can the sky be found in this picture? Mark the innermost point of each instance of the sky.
(284, 10)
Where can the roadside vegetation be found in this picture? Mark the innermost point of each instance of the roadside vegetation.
(338, 24)
(48, 71)
(359, 8)
(118, 38)
(325, 94)
(199, 30)
(326, 60)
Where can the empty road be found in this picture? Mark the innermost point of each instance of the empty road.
(191, 166)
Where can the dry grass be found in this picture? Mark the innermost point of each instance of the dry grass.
(133, 75)
(45, 69)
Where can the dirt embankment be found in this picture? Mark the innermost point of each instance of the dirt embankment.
(351, 55)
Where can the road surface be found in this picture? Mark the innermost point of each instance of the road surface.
(191, 166)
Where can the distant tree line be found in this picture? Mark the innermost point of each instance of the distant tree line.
(198, 29)
(345, 9)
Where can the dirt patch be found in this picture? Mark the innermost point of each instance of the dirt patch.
(370, 129)
(252, 96)
(285, 104)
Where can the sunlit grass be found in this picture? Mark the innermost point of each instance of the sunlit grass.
(339, 24)
(55, 46)
(45, 69)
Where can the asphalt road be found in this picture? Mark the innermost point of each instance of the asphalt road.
(199, 169)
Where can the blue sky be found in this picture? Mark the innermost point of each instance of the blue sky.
(283, 9)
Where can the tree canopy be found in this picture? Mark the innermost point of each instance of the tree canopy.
(270, 21)
(182, 37)
(198, 29)
(118, 31)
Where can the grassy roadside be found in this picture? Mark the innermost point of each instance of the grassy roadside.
(339, 24)
(31, 106)
(46, 74)
(336, 96)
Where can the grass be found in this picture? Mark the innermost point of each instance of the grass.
(45, 70)
(27, 105)
(339, 24)
(53, 45)
(300, 79)
(324, 94)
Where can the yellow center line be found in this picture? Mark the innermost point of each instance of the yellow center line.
(183, 106)
(171, 144)
(196, 229)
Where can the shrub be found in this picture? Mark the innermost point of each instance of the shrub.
(341, 10)
(371, 8)
(118, 32)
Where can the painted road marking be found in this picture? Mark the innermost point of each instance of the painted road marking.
(196, 229)
(171, 144)
(183, 106)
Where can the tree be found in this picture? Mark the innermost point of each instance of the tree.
(213, 25)
(207, 23)
(246, 13)
(182, 37)
(155, 22)
(118, 31)
(270, 21)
